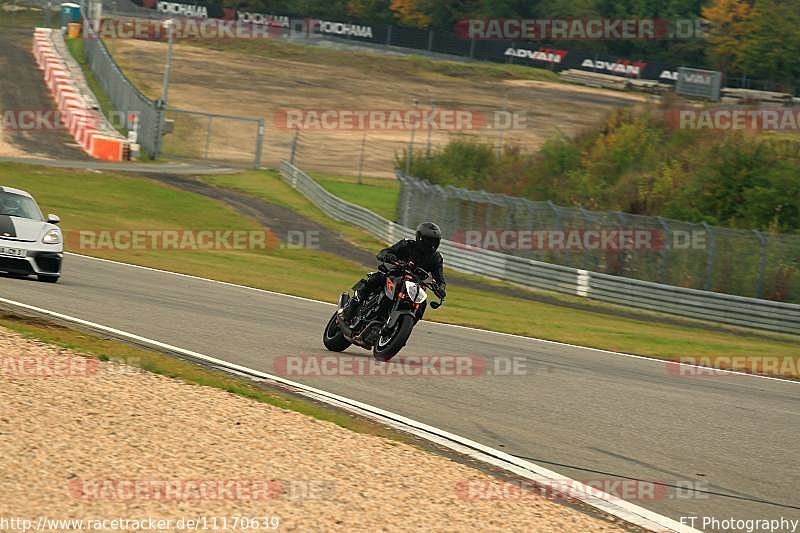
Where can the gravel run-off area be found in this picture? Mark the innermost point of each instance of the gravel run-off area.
(86, 439)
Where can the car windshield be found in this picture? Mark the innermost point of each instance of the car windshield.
(17, 205)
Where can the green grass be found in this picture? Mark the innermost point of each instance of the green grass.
(267, 185)
(86, 199)
(76, 48)
(377, 194)
(25, 18)
(158, 363)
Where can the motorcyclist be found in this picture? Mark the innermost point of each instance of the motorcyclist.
(422, 252)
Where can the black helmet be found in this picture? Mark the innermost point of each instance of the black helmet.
(429, 235)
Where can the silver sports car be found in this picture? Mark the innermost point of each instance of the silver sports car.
(29, 243)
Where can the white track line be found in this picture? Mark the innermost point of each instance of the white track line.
(513, 335)
(542, 476)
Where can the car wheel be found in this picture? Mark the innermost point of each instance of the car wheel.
(48, 279)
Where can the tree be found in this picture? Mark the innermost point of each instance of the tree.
(729, 21)
(415, 13)
(370, 10)
(771, 50)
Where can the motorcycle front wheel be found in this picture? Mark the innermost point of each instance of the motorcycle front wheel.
(333, 338)
(390, 344)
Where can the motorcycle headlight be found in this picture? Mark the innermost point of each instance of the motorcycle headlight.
(52, 237)
(415, 292)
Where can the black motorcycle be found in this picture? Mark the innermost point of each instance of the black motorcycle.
(384, 321)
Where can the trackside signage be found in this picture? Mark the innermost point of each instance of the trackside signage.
(544, 55)
(310, 26)
(508, 34)
(184, 10)
(623, 67)
(329, 27)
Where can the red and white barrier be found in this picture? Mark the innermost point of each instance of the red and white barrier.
(79, 111)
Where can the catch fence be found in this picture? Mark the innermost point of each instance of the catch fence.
(628, 292)
(698, 256)
(198, 135)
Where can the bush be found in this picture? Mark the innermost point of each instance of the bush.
(637, 163)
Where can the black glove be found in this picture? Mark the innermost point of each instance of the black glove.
(442, 292)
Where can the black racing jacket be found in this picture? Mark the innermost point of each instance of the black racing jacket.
(409, 250)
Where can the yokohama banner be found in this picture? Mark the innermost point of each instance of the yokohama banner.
(500, 51)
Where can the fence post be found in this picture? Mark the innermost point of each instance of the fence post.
(294, 146)
(662, 268)
(208, 134)
(622, 255)
(709, 257)
(389, 36)
(501, 130)
(406, 206)
(430, 40)
(410, 153)
(587, 220)
(762, 262)
(159, 129)
(259, 143)
(48, 12)
(361, 158)
(472, 49)
(430, 130)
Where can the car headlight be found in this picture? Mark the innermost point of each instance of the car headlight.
(52, 237)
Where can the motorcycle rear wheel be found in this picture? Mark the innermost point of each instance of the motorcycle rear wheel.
(333, 338)
(386, 348)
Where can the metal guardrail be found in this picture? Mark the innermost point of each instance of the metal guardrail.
(704, 305)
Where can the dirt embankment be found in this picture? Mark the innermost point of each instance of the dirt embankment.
(22, 88)
(277, 77)
(103, 441)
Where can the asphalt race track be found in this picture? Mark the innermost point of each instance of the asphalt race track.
(584, 413)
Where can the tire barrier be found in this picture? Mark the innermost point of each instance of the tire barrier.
(78, 110)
